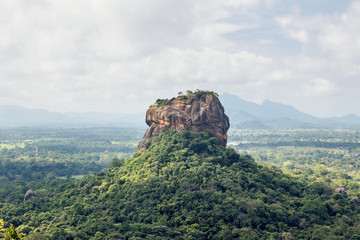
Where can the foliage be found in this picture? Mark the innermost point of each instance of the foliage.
(61, 152)
(316, 155)
(9, 233)
(197, 94)
(189, 94)
(116, 162)
(161, 102)
(185, 186)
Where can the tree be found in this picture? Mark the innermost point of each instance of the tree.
(9, 233)
(116, 162)
(316, 207)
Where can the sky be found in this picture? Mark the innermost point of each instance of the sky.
(122, 55)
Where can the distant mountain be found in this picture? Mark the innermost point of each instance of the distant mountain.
(15, 116)
(249, 115)
(243, 115)
(348, 119)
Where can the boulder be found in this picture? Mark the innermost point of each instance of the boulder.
(29, 193)
(197, 112)
(342, 191)
(356, 200)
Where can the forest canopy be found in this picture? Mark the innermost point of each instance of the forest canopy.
(185, 186)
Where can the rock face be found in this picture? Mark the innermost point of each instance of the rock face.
(356, 200)
(342, 191)
(29, 193)
(196, 112)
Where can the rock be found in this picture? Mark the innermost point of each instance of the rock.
(29, 193)
(342, 191)
(196, 112)
(356, 200)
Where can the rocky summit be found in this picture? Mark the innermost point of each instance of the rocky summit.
(195, 112)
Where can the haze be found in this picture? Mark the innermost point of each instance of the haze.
(120, 56)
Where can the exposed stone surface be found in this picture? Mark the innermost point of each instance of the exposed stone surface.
(29, 193)
(356, 200)
(342, 191)
(196, 113)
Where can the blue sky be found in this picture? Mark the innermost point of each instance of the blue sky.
(120, 56)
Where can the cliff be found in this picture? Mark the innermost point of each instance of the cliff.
(197, 112)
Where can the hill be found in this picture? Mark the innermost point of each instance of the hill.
(183, 185)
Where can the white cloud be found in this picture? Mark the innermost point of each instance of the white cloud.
(284, 21)
(319, 87)
(249, 3)
(336, 34)
(76, 55)
(342, 37)
(300, 35)
(108, 55)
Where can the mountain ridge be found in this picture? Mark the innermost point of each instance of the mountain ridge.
(242, 114)
(18, 116)
(245, 114)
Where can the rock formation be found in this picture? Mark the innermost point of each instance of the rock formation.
(356, 200)
(342, 191)
(29, 193)
(196, 112)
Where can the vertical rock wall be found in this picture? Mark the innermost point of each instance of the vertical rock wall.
(195, 112)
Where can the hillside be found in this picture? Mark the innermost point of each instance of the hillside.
(184, 185)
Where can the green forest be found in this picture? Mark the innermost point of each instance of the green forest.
(32, 153)
(185, 186)
(330, 156)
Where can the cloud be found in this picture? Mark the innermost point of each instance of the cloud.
(319, 87)
(301, 35)
(74, 55)
(336, 34)
(342, 37)
(108, 55)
